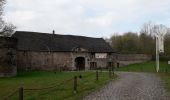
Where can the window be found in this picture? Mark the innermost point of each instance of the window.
(93, 65)
(110, 64)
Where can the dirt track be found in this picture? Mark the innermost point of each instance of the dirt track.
(132, 86)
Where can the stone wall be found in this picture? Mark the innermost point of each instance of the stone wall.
(8, 56)
(29, 60)
(126, 59)
(89, 58)
(85, 55)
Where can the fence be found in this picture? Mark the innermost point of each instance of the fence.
(74, 84)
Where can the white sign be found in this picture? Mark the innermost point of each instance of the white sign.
(168, 62)
(100, 55)
(161, 44)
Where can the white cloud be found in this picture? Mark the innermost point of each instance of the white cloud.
(20, 17)
(85, 17)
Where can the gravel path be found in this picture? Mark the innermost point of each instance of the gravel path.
(132, 86)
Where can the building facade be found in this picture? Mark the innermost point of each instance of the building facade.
(42, 51)
(8, 51)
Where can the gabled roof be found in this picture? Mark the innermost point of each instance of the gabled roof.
(35, 41)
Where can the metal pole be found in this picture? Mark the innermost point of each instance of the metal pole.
(158, 60)
(157, 54)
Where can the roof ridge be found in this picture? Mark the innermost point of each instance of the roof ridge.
(33, 32)
(40, 42)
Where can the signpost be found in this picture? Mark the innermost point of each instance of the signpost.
(159, 31)
(169, 62)
(157, 55)
(100, 55)
(159, 49)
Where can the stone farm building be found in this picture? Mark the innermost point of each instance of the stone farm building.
(42, 51)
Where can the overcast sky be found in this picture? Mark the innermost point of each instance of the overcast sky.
(96, 18)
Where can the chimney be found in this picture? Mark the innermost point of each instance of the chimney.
(53, 32)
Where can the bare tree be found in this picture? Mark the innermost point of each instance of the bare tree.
(160, 30)
(154, 29)
(6, 29)
(147, 28)
(2, 2)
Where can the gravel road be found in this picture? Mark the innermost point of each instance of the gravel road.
(132, 86)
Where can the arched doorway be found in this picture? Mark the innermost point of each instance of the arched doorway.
(80, 63)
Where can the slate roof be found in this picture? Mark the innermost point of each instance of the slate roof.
(35, 41)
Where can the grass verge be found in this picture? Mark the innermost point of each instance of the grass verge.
(61, 83)
(145, 67)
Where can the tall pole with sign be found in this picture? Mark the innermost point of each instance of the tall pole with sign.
(157, 54)
(159, 49)
(159, 31)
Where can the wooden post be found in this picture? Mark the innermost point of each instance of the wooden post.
(110, 73)
(21, 92)
(75, 84)
(113, 69)
(97, 75)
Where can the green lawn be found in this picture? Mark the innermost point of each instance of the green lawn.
(145, 67)
(61, 82)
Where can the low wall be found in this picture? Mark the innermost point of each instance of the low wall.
(126, 59)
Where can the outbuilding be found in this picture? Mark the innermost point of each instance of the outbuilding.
(44, 51)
